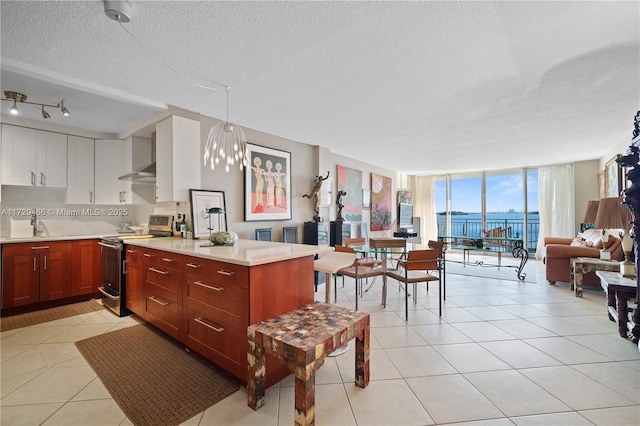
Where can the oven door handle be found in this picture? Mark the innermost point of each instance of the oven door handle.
(108, 245)
(101, 290)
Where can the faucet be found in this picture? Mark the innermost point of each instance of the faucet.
(34, 222)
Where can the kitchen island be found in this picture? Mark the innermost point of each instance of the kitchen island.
(206, 297)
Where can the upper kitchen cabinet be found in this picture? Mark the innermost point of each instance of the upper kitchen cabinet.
(80, 155)
(177, 158)
(33, 157)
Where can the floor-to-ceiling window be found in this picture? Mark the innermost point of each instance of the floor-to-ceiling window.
(496, 203)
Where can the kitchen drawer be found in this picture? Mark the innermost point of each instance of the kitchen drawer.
(228, 273)
(165, 315)
(161, 292)
(159, 275)
(22, 249)
(217, 342)
(197, 266)
(222, 302)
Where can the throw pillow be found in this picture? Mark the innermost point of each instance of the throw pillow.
(580, 242)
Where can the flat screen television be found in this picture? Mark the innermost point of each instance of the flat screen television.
(405, 215)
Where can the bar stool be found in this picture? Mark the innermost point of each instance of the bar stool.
(330, 263)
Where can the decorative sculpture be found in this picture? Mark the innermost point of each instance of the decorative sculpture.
(341, 194)
(317, 184)
(631, 198)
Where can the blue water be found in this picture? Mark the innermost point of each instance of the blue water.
(471, 224)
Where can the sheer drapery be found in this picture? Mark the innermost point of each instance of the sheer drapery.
(424, 202)
(555, 203)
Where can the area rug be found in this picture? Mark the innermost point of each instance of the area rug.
(51, 314)
(486, 267)
(153, 379)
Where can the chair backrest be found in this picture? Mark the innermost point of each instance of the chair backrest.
(263, 234)
(436, 245)
(422, 260)
(290, 234)
(349, 241)
(344, 249)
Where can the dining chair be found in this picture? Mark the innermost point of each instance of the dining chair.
(418, 267)
(365, 260)
(441, 247)
(290, 234)
(263, 234)
(356, 270)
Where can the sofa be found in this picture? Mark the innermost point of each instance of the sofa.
(559, 252)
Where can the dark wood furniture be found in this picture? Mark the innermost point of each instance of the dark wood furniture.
(619, 290)
(303, 338)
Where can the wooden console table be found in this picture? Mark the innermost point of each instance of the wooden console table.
(580, 266)
(619, 290)
(303, 338)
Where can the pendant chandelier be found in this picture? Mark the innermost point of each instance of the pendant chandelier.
(226, 144)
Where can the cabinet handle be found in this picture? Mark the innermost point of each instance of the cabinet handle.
(159, 302)
(226, 273)
(166, 259)
(33, 179)
(91, 196)
(43, 179)
(39, 248)
(158, 271)
(155, 193)
(34, 264)
(201, 284)
(148, 255)
(200, 321)
(124, 266)
(131, 251)
(193, 265)
(45, 263)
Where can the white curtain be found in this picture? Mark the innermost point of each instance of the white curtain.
(424, 202)
(555, 203)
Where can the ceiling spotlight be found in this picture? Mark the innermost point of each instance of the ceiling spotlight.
(14, 109)
(64, 110)
(45, 114)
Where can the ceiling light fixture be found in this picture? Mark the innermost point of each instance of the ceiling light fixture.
(226, 143)
(118, 10)
(16, 97)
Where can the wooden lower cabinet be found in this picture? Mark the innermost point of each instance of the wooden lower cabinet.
(86, 274)
(33, 273)
(208, 305)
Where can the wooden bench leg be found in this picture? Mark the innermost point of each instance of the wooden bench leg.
(362, 354)
(305, 388)
(255, 370)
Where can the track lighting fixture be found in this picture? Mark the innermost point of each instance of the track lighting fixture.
(16, 97)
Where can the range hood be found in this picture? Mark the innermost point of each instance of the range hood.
(144, 174)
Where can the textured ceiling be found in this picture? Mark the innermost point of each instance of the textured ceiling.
(426, 87)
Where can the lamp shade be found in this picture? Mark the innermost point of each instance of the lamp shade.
(591, 212)
(612, 214)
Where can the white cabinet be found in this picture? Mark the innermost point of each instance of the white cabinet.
(177, 158)
(80, 156)
(51, 159)
(33, 157)
(110, 164)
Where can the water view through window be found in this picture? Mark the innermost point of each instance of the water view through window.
(498, 210)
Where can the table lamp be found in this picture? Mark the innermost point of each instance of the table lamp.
(612, 214)
(590, 215)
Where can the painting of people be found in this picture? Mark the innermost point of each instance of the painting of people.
(267, 184)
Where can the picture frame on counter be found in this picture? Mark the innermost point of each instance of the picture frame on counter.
(202, 200)
(267, 184)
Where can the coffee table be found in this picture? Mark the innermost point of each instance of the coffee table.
(619, 290)
(583, 265)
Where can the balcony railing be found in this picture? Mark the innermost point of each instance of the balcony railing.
(511, 228)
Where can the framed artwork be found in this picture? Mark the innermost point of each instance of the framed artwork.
(267, 184)
(404, 196)
(600, 178)
(204, 223)
(613, 178)
(366, 199)
(325, 192)
(380, 202)
(350, 181)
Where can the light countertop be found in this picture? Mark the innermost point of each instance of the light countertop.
(246, 252)
(52, 238)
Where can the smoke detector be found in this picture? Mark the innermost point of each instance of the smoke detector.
(118, 10)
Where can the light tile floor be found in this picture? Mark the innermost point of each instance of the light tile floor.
(503, 353)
